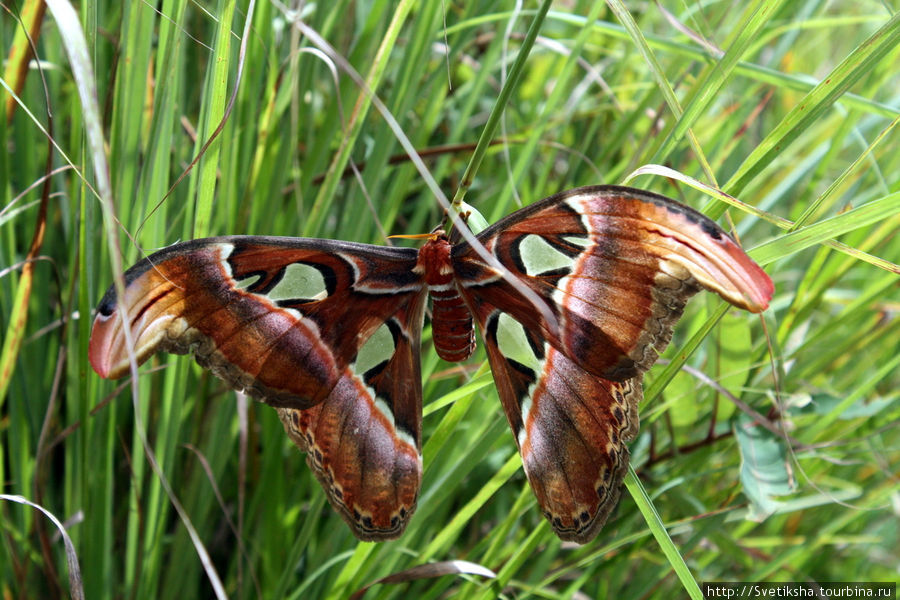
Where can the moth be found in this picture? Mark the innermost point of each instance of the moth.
(328, 333)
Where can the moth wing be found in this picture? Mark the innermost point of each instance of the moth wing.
(327, 332)
(615, 267)
(262, 313)
(571, 427)
(363, 442)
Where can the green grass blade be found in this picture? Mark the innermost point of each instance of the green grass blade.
(658, 529)
(817, 101)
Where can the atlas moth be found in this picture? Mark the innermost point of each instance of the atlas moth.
(328, 333)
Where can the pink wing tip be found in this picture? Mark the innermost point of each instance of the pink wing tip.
(755, 284)
(100, 345)
(763, 290)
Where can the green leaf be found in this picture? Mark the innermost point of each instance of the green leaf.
(764, 472)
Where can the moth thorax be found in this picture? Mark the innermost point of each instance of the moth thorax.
(434, 261)
(451, 321)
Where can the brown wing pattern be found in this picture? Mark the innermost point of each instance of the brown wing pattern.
(261, 313)
(363, 441)
(328, 332)
(616, 267)
(571, 427)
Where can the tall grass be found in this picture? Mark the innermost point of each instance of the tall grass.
(789, 106)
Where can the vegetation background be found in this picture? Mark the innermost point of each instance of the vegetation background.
(769, 446)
